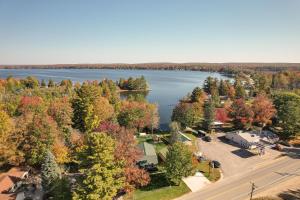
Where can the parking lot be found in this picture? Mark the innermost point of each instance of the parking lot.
(233, 159)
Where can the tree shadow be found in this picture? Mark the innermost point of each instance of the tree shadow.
(158, 180)
(290, 195)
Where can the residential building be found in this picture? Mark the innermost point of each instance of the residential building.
(149, 154)
(10, 182)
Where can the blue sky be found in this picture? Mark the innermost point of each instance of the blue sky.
(134, 31)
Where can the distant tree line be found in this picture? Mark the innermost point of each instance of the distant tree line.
(227, 68)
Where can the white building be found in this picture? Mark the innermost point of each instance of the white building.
(244, 139)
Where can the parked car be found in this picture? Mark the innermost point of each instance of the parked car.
(207, 138)
(284, 143)
(215, 164)
(151, 168)
(201, 158)
(201, 133)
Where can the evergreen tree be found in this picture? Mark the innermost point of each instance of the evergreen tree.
(209, 115)
(209, 84)
(43, 83)
(197, 94)
(223, 91)
(239, 89)
(288, 112)
(178, 162)
(83, 103)
(50, 83)
(50, 172)
(103, 174)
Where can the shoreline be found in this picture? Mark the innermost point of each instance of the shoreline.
(227, 68)
(121, 90)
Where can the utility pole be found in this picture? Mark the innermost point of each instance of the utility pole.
(253, 187)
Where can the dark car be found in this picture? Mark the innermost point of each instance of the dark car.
(215, 164)
(207, 138)
(284, 143)
(151, 168)
(201, 158)
(201, 133)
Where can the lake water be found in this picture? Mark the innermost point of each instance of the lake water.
(167, 87)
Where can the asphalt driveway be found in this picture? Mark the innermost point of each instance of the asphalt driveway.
(233, 159)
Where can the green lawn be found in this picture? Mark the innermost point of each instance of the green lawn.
(158, 145)
(212, 175)
(159, 189)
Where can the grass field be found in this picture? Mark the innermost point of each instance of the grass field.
(211, 174)
(159, 189)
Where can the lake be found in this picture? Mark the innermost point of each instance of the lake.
(167, 87)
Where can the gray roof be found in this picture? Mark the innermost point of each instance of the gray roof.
(149, 153)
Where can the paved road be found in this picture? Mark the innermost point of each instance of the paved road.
(238, 187)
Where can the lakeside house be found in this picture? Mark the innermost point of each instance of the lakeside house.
(149, 155)
(10, 182)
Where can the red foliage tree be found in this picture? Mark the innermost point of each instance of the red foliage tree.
(30, 104)
(221, 115)
(241, 114)
(263, 109)
(128, 151)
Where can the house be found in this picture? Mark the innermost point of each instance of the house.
(149, 154)
(247, 140)
(10, 182)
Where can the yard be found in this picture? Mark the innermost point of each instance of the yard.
(148, 138)
(211, 174)
(159, 189)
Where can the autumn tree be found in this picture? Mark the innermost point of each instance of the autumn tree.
(103, 175)
(221, 114)
(263, 110)
(127, 150)
(138, 115)
(241, 114)
(9, 154)
(98, 111)
(178, 162)
(31, 104)
(61, 111)
(188, 114)
(36, 133)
